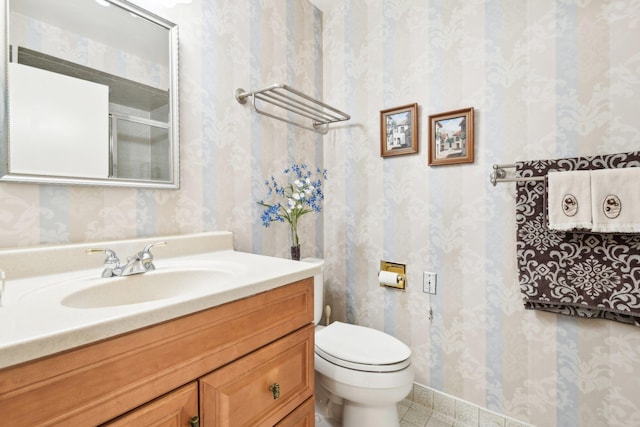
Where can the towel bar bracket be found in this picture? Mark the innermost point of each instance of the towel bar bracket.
(500, 174)
(241, 95)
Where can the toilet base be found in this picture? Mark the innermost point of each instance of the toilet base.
(365, 398)
(356, 415)
(335, 411)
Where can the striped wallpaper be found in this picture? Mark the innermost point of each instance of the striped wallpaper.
(547, 79)
(226, 150)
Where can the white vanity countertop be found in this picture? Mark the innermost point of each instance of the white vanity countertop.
(33, 322)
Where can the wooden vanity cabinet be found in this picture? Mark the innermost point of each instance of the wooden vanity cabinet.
(220, 364)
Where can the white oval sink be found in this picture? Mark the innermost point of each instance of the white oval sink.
(140, 288)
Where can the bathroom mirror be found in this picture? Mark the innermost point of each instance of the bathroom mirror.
(91, 94)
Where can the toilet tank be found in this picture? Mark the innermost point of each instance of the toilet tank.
(318, 289)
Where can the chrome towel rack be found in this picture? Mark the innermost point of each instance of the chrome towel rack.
(499, 174)
(289, 99)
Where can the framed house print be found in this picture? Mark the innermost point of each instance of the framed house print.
(399, 130)
(451, 137)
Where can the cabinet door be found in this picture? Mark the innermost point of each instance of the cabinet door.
(174, 409)
(261, 388)
(303, 416)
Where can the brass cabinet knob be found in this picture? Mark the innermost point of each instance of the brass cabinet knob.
(275, 389)
(194, 422)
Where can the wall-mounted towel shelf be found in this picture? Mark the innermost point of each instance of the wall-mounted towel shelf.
(499, 174)
(296, 102)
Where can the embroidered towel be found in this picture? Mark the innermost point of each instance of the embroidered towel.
(615, 196)
(569, 200)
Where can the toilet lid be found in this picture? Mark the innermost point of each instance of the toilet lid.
(361, 348)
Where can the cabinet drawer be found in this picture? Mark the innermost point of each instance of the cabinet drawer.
(173, 409)
(239, 394)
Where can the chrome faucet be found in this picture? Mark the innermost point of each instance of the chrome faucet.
(136, 264)
(142, 261)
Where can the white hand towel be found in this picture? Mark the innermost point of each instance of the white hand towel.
(569, 200)
(615, 196)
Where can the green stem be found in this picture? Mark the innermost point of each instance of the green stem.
(294, 233)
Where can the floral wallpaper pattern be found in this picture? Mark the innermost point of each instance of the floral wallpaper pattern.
(547, 79)
(226, 150)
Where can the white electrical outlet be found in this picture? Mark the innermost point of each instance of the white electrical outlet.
(429, 282)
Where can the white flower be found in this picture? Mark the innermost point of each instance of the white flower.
(291, 202)
(298, 183)
(296, 196)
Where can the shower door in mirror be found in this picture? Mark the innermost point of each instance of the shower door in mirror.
(92, 94)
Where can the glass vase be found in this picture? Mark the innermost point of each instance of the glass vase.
(295, 253)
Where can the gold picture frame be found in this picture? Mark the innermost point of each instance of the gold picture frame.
(399, 130)
(451, 137)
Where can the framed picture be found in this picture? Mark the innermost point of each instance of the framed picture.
(451, 137)
(399, 131)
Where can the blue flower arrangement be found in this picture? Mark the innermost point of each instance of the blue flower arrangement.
(302, 194)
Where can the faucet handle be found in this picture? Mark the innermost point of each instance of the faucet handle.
(146, 257)
(111, 263)
(147, 249)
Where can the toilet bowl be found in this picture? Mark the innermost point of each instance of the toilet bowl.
(368, 370)
(363, 371)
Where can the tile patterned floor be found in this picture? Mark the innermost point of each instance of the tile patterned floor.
(412, 414)
(426, 407)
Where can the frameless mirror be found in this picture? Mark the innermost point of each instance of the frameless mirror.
(91, 94)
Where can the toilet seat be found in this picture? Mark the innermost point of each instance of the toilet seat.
(361, 348)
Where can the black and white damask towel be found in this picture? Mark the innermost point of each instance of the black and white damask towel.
(580, 274)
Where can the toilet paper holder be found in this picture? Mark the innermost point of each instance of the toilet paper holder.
(392, 275)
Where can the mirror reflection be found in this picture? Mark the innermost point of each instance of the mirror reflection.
(92, 88)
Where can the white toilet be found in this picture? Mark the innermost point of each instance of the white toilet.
(362, 371)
